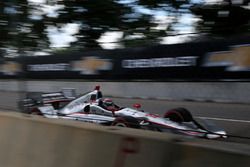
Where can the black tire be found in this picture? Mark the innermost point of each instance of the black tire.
(179, 115)
(35, 111)
(126, 121)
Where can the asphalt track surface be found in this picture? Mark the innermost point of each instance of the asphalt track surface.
(233, 118)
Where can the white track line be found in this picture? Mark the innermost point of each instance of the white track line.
(224, 119)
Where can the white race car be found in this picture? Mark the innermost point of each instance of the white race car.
(92, 107)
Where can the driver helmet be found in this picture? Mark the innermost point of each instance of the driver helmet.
(108, 102)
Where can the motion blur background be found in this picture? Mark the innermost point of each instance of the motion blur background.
(127, 40)
(181, 50)
(42, 27)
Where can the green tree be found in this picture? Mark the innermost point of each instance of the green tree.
(19, 32)
(223, 19)
(25, 25)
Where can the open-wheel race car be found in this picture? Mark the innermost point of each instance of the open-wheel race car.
(93, 107)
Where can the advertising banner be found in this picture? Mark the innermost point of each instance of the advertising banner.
(197, 61)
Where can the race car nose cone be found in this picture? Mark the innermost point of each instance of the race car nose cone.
(219, 134)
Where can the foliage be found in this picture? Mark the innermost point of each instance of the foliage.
(26, 26)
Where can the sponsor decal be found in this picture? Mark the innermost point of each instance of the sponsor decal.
(236, 59)
(92, 65)
(48, 67)
(10, 68)
(160, 62)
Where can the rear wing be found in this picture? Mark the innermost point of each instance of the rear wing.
(66, 97)
(38, 98)
(66, 94)
(43, 98)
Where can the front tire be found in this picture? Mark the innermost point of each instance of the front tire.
(179, 115)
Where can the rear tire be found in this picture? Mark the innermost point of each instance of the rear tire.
(35, 111)
(179, 115)
(126, 121)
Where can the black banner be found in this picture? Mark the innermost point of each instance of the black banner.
(198, 61)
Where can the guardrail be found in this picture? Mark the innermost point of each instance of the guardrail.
(28, 141)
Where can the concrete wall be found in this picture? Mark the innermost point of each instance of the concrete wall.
(232, 92)
(32, 141)
(28, 141)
